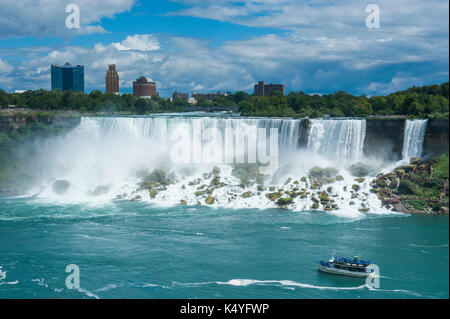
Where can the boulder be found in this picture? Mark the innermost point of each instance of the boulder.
(216, 170)
(210, 200)
(247, 195)
(273, 196)
(100, 190)
(60, 187)
(284, 201)
(153, 193)
(215, 181)
(359, 170)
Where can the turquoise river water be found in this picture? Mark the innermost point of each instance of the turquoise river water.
(139, 250)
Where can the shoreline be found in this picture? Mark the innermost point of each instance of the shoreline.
(220, 110)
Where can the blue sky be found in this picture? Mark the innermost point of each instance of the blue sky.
(209, 45)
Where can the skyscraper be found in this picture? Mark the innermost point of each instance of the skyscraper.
(68, 77)
(112, 80)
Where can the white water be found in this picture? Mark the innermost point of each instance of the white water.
(413, 138)
(103, 158)
(110, 151)
(338, 138)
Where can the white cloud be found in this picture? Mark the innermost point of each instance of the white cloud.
(185, 64)
(5, 67)
(318, 47)
(47, 17)
(397, 83)
(346, 15)
(144, 42)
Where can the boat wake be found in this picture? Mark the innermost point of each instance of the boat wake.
(289, 283)
(293, 284)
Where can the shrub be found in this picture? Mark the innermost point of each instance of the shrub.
(407, 187)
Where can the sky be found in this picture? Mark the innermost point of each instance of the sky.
(317, 46)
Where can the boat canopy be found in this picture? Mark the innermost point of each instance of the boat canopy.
(352, 261)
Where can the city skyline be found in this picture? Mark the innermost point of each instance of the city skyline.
(62, 80)
(206, 46)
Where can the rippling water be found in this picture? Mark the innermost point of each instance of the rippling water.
(137, 250)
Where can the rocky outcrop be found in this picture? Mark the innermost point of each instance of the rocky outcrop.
(14, 120)
(17, 129)
(421, 187)
(436, 138)
(304, 133)
(384, 139)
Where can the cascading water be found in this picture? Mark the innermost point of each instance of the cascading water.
(158, 129)
(108, 157)
(413, 138)
(108, 151)
(338, 138)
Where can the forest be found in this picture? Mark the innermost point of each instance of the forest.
(426, 101)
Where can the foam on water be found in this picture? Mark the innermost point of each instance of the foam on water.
(248, 282)
(106, 157)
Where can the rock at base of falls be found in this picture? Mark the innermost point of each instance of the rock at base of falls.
(60, 187)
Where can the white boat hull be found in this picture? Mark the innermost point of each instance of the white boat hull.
(343, 272)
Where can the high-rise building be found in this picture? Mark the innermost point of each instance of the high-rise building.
(68, 77)
(180, 96)
(112, 80)
(269, 89)
(143, 88)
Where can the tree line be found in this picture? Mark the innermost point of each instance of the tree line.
(426, 101)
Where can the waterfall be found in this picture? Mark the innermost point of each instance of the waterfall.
(105, 158)
(159, 128)
(413, 138)
(338, 139)
(110, 151)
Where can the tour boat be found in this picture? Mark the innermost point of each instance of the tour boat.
(346, 266)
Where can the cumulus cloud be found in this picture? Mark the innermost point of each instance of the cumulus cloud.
(180, 68)
(321, 48)
(144, 42)
(415, 29)
(399, 82)
(189, 64)
(295, 15)
(48, 17)
(5, 67)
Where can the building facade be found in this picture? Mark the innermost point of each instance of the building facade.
(180, 96)
(208, 96)
(143, 88)
(67, 77)
(112, 80)
(263, 89)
